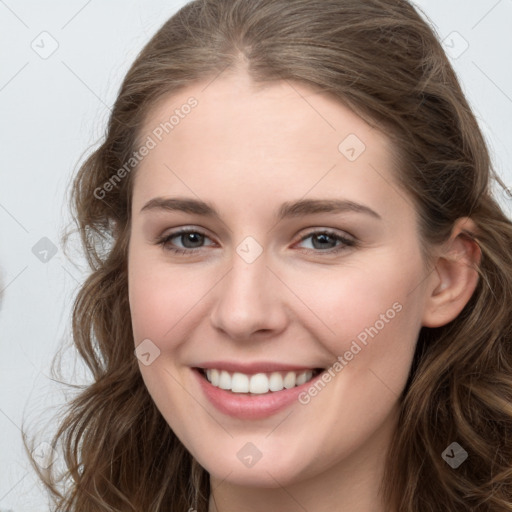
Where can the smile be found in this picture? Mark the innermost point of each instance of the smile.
(258, 383)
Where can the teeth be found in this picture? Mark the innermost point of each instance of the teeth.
(289, 380)
(224, 380)
(276, 382)
(240, 383)
(214, 377)
(259, 383)
(301, 379)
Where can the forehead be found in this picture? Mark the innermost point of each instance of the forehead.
(245, 140)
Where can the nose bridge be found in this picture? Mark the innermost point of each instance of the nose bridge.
(246, 281)
(246, 301)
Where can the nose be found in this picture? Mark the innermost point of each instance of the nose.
(248, 301)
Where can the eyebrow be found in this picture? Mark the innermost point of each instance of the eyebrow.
(289, 209)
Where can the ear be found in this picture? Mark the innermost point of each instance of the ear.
(454, 277)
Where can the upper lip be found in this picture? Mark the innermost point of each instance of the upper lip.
(253, 367)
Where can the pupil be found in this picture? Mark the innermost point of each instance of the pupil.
(322, 238)
(191, 240)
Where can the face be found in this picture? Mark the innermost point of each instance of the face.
(296, 288)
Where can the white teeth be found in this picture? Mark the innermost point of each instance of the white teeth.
(276, 382)
(240, 383)
(289, 380)
(214, 377)
(301, 378)
(224, 380)
(259, 383)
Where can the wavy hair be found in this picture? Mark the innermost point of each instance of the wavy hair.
(382, 59)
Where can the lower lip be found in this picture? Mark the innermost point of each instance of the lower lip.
(251, 406)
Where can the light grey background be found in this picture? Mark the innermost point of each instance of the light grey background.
(54, 108)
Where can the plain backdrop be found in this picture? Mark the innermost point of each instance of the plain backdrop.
(61, 64)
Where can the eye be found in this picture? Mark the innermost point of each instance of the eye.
(189, 241)
(327, 241)
(184, 241)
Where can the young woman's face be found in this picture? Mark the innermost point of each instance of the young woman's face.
(301, 253)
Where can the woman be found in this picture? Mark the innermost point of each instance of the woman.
(290, 220)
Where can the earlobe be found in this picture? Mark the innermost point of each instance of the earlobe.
(454, 277)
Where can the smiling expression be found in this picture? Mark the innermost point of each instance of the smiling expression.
(298, 241)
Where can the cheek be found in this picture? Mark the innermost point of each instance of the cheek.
(150, 303)
(362, 301)
(161, 297)
(370, 323)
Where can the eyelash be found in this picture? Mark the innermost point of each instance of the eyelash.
(345, 242)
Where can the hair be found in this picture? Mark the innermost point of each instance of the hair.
(382, 59)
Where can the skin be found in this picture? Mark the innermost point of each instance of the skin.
(246, 150)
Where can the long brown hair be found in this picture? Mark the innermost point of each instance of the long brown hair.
(383, 60)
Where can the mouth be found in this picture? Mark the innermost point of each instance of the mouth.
(257, 383)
